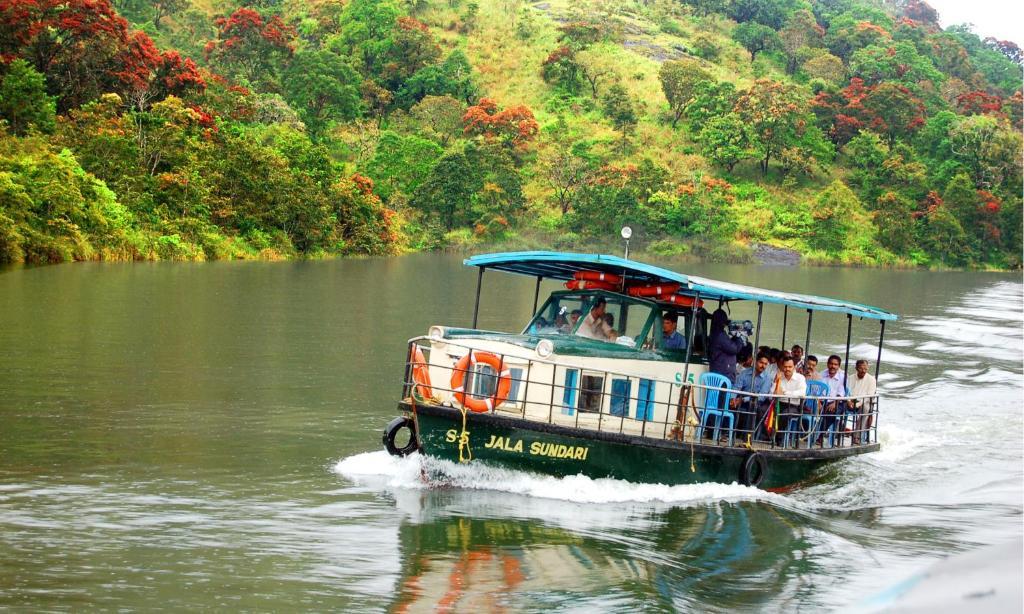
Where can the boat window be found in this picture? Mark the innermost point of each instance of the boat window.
(482, 382)
(557, 316)
(591, 393)
(516, 374)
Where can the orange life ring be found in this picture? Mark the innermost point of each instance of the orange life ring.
(682, 301)
(652, 289)
(595, 276)
(459, 379)
(580, 284)
(421, 373)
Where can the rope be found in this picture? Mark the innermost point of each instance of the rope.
(465, 453)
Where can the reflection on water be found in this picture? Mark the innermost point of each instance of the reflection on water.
(215, 428)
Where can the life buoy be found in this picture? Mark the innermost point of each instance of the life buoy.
(652, 289)
(579, 284)
(421, 374)
(753, 470)
(682, 301)
(467, 400)
(391, 432)
(596, 276)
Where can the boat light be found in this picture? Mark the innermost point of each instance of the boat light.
(436, 333)
(545, 348)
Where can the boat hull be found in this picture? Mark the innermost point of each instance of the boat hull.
(558, 450)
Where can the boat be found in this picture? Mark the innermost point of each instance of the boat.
(552, 400)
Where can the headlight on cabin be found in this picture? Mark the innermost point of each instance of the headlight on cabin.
(436, 333)
(545, 348)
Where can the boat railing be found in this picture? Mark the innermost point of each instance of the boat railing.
(637, 405)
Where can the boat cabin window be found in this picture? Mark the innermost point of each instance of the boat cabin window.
(562, 314)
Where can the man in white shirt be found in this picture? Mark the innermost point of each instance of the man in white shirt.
(862, 384)
(836, 381)
(788, 381)
(594, 325)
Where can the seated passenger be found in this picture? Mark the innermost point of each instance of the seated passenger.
(745, 359)
(671, 339)
(594, 326)
(789, 382)
(810, 370)
(609, 319)
(798, 357)
(561, 324)
(862, 384)
(574, 317)
(752, 380)
(773, 363)
(836, 381)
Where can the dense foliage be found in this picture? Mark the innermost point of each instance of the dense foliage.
(851, 131)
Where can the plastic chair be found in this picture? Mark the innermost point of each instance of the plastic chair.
(816, 390)
(715, 409)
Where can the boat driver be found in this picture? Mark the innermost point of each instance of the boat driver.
(594, 325)
(671, 338)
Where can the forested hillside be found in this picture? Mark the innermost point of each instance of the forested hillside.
(852, 131)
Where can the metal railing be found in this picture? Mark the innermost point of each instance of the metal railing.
(632, 404)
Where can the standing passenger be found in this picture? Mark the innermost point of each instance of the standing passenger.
(723, 348)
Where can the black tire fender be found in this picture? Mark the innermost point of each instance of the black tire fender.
(753, 470)
(391, 432)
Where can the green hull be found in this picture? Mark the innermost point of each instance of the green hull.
(561, 451)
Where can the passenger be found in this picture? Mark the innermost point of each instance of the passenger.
(745, 359)
(773, 363)
(836, 381)
(798, 356)
(609, 319)
(862, 385)
(671, 338)
(574, 317)
(790, 382)
(561, 324)
(835, 378)
(723, 348)
(810, 370)
(755, 381)
(594, 326)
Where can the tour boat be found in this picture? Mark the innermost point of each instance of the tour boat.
(551, 399)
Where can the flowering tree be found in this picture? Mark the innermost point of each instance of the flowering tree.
(249, 46)
(514, 126)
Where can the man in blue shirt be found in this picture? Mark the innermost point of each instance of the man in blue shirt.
(753, 381)
(671, 338)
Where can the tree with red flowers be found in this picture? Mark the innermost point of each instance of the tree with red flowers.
(249, 46)
(514, 126)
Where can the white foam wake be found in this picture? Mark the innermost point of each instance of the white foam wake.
(419, 472)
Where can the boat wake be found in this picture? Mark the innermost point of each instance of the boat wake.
(382, 471)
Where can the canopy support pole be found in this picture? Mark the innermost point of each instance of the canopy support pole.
(878, 361)
(693, 332)
(757, 333)
(846, 361)
(536, 295)
(476, 307)
(807, 344)
(785, 316)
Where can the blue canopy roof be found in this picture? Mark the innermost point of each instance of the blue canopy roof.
(562, 266)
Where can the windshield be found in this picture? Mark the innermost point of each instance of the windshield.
(622, 320)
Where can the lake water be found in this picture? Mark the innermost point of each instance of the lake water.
(207, 436)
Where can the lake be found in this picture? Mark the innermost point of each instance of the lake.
(208, 436)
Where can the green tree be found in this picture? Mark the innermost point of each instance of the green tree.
(776, 115)
(323, 87)
(835, 213)
(724, 141)
(894, 223)
(402, 163)
(989, 150)
(167, 8)
(23, 99)
(618, 107)
(440, 117)
(448, 190)
(755, 38)
(366, 33)
(453, 77)
(679, 82)
(710, 100)
(801, 31)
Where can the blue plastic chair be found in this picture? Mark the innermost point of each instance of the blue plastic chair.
(714, 406)
(816, 390)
